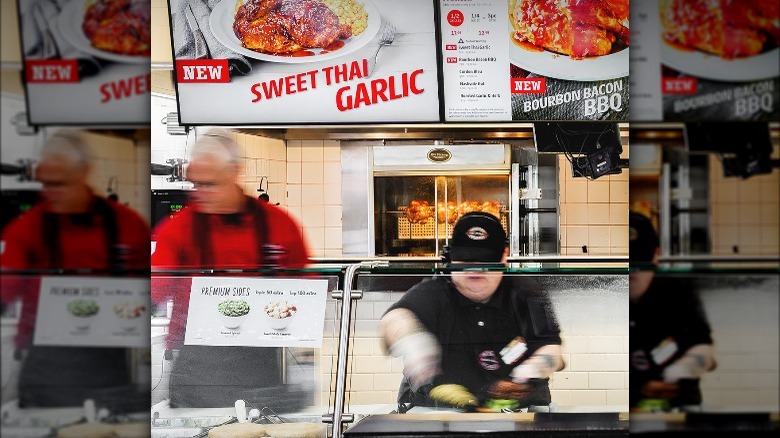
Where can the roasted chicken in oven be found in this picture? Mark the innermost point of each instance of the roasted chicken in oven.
(578, 28)
(286, 26)
(418, 212)
(727, 28)
(119, 26)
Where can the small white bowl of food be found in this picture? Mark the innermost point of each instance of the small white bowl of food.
(233, 312)
(280, 313)
(82, 312)
(129, 313)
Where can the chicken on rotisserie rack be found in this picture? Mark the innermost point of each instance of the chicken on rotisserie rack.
(729, 29)
(578, 28)
(286, 26)
(418, 212)
(119, 26)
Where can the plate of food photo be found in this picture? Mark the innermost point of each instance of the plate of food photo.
(114, 30)
(582, 40)
(294, 31)
(732, 41)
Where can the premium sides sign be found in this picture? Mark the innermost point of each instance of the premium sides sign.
(347, 61)
(93, 312)
(530, 60)
(253, 312)
(83, 54)
(707, 61)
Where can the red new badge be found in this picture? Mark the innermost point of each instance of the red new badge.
(679, 86)
(528, 85)
(202, 71)
(51, 71)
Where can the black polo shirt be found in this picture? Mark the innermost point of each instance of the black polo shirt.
(668, 314)
(473, 334)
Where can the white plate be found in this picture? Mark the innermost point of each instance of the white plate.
(555, 65)
(708, 66)
(223, 15)
(69, 23)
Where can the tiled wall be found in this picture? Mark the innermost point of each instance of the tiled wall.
(745, 333)
(161, 32)
(314, 192)
(745, 212)
(9, 29)
(113, 156)
(263, 161)
(594, 213)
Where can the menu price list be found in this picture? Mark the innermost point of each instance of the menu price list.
(476, 59)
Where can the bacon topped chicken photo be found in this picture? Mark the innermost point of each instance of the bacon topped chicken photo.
(727, 28)
(119, 26)
(287, 26)
(577, 28)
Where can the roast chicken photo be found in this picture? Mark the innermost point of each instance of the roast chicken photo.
(287, 26)
(577, 28)
(727, 28)
(119, 26)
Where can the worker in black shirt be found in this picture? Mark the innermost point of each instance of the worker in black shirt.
(476, 336)
(669, 336)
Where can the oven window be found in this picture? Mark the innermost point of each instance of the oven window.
(414, 215)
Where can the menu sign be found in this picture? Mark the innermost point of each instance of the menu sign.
(87, 54)
(254, 312)
(533, 60)
(329, 61)
(93, 312)
(714, 61)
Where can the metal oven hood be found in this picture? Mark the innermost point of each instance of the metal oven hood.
(470, 159)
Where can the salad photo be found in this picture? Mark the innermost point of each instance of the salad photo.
(81, 312)
(233, 312)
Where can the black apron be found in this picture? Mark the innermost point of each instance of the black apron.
(215, 377)
(66, 376)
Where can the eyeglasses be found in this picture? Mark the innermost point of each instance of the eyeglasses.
(205, 185)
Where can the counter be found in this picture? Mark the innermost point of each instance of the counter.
(612, 424)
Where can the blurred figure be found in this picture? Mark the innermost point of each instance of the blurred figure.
(222, 228)
(670, 342)
(476, 338)
(71, 228)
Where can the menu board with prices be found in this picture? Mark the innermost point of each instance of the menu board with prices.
(515, 60)
(345, 61)
(229, 311)
(89, 55)
(93, 312)
(706, 61)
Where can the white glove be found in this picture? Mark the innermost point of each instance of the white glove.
(684, 368)
(695, 363)
(422, 356)
(525, 371)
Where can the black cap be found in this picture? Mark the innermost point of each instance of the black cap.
(478, 237)
(643, 240)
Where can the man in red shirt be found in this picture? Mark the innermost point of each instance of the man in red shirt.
(221, 228)
(70, 228)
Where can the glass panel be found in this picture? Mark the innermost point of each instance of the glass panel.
(736, 315)
(68, 338)
(197, 386)
(589, 309)
(415, 214)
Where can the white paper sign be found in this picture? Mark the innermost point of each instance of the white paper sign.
(253, 312)
(93, 312)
